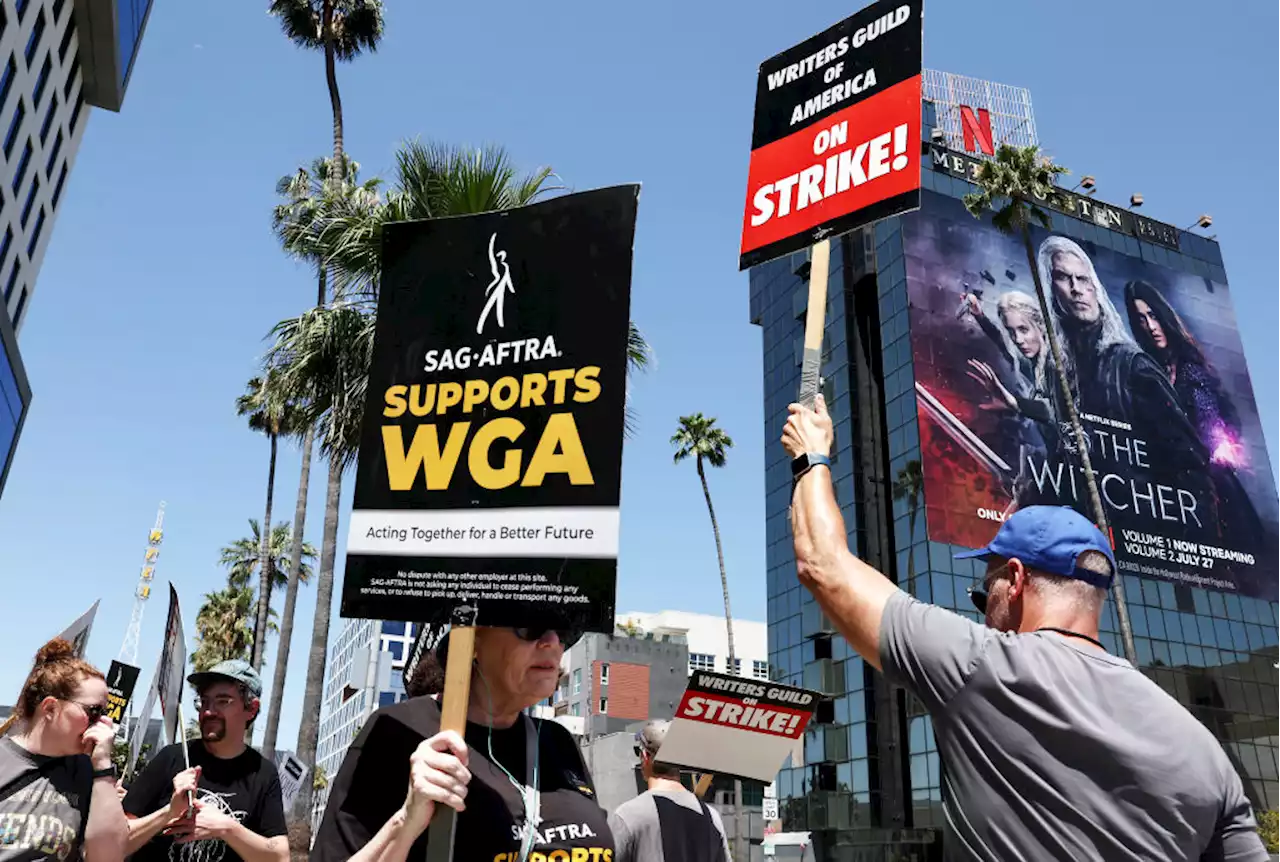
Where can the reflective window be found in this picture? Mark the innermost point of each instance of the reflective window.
(701, 661)
(130, 16)
(33, 41)
(23, 163)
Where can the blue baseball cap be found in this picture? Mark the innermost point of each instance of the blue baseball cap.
(1049, 539)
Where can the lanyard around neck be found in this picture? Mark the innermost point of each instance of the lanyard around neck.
(1071, 634)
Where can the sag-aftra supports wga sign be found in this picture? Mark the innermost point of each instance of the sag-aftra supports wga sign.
(491, 447)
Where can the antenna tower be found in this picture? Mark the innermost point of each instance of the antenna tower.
(129, 649)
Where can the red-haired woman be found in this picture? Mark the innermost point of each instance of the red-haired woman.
(58, 797)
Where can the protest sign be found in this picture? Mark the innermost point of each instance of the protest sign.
(121, 679)
(491, 449)
(171, 672)
(143, 720)
(292, 772)
(736, 726)
(77, 634)
(835, 140)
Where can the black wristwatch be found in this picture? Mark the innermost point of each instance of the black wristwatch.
(806, 462)
(109, 772)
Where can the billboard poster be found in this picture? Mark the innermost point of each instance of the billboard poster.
(491, 450)
(835, 137)
(121, 679)
(735, 726)
(1156, 370)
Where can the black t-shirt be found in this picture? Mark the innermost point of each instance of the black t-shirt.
(246, 786)
(374, 777)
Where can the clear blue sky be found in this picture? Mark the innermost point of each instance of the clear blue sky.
(162, 276)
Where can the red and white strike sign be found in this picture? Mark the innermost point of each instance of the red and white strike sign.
(735, 726)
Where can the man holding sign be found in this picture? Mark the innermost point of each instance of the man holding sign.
(1053, 748)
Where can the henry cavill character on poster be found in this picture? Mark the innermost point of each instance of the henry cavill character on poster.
(1155, 370)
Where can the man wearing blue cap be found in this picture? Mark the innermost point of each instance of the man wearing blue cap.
(1053, 749)
(239, 811)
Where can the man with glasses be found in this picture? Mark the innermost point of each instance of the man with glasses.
(236, 791)
(666, 823)
(1053, 749)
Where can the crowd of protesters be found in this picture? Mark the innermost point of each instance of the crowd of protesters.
(1054, 750)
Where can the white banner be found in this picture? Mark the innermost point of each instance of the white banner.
(585, 532)
(78, 632)
(144, 720)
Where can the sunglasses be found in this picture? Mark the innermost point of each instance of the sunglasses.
(532, 634)
(94, 711)
(979, 595)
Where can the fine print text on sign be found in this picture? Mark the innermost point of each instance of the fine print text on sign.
(121, 680)
(491, 448)
(735, 726)
(835, 140)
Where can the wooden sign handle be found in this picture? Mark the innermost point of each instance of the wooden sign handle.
(453, 716)
(704, 784)
(815, 322)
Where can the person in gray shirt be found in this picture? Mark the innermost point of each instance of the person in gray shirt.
(666, 823)
(1051, 748)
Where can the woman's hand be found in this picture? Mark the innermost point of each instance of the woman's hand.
(999, 397)
(98, 740)
(437, 773)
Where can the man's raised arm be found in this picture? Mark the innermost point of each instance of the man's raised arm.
(851, 593)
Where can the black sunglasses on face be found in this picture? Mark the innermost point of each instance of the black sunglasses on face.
(978, 595)
(568, 637)
(94, 711)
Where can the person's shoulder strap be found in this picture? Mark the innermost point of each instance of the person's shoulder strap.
(715, 847)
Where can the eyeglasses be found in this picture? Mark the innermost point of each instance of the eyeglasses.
(979, 595)
(215, 704)
(94, 711)
(568, 637)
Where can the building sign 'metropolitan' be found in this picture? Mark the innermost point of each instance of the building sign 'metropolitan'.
(491, 449)
(1067, 202)
(832, 145)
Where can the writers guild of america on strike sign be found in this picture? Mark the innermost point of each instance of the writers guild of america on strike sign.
(835, 142)
(491, 446)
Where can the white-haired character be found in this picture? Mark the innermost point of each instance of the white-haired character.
(1117, 380)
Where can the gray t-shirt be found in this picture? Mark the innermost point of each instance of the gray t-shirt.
(1052, 750)
(44, 802)
(638, 826)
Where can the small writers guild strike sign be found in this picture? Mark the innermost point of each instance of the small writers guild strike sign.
(491, 449)
(735, 726)
(121, 679)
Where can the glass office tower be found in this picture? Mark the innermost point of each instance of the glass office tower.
(870, 784)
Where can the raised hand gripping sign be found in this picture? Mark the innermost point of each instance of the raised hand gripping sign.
(735, 726)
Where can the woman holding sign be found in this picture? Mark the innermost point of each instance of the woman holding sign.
(518, 784)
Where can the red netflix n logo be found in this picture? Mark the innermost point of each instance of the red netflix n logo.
(977, 130)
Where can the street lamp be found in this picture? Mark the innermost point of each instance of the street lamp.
(1204, 221)
(1135, 199)
(1086, 182)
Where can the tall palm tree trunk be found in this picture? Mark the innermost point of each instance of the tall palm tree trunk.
(266, 574)
(290, 599)
(1077, 431)
(724, 580)
(309, 730)
(335, 97)
(739, 820)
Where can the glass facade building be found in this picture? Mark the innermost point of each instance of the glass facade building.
(870, 782)
(15, 395)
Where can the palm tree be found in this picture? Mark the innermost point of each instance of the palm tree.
(222, 627)
(273, 415)
(324, 358)
(908, 486)
(697, 435)
(307, 194)
(1013, 181)
(241, 557)
(342, 29)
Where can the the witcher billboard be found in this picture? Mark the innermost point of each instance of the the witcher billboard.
(1155, 368)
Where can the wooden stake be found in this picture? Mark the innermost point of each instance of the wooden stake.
(704, 784)
(453, 716)
(186, 755)
(814, 322)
